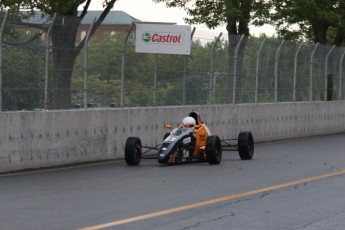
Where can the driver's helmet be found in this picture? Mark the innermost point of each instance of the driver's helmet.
(188, 122)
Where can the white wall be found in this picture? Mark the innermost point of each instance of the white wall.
(51, 138)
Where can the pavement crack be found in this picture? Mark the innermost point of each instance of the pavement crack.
(299, 185)
(321, 219)
(307, 225)
(331, 169)
(264, 194)
(207, 221)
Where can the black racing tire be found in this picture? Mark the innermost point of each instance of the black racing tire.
(166, 135)
(133, 151)
(213, 150)
(246, 145)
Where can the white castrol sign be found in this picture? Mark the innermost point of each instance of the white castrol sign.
(163, 39)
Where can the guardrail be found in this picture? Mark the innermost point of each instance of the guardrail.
(34, 139)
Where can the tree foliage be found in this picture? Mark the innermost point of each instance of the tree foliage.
(22, 84)
(235, 14)
(63, 36)
(321, 21)
(104, 75)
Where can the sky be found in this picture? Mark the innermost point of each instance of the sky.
(148, 11)
(145, 10)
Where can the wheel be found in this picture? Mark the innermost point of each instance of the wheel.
(213, 150)
(133, 151)
(246, 145)
(166, 135)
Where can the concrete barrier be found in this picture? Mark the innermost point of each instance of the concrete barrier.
(51, 138)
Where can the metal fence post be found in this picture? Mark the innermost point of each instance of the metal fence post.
(295, 72)
(47, 64)
(235, 69)
(276, 71)
(1, 41)
(257, 71)
(341, 76)
(326, 70)
(85, 62)
(311, 72)
(185, 65)
(211, 87)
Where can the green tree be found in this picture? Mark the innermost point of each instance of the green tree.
(100, 91)
(235, 14)
(104, 74)
(103, 67)
(22, 89)
(320, 21)
(63, 34)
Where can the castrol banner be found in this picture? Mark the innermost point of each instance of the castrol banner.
(163, 39)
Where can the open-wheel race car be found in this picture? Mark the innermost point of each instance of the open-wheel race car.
(190, 142)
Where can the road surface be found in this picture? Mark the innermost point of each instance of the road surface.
(296, 184)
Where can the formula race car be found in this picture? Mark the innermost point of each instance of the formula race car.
(190, 142)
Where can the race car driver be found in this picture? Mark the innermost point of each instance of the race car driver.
(188, 122)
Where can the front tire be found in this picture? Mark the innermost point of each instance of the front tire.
(133, 151)
(213, 150)
(246, 145)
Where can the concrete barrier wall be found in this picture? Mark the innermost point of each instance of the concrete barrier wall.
(52, 138)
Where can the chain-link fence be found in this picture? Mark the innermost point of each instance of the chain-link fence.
(55, 63)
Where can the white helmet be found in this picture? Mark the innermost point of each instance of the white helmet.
(188, 122)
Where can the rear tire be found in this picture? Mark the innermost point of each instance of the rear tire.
(246, 145)
(133, 151)
(213, 150)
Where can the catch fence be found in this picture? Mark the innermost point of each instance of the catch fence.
(55, 63)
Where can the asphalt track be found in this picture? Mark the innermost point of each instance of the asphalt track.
(297, 184)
